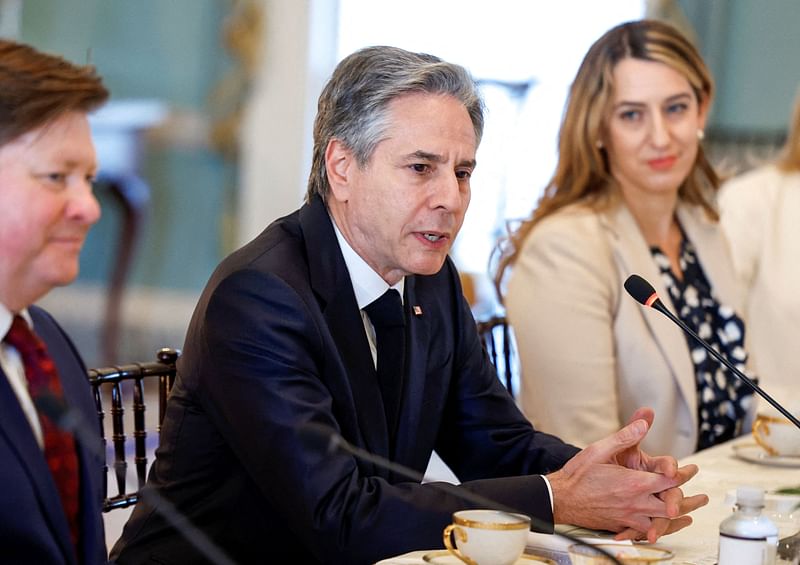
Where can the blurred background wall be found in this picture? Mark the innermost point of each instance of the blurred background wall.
(195, 66)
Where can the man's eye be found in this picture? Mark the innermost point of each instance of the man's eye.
(420, 168)
(56, 177)
(463, 174)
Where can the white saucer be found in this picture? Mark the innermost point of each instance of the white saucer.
(444, 557)
(755, 454)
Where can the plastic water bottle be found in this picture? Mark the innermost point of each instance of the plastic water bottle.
(746, 537)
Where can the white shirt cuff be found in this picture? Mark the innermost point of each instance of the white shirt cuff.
(549, 492)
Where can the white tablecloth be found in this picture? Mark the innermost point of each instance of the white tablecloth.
(721, 471)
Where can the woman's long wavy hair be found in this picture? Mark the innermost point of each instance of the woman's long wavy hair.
(582, 173)
(789, 159)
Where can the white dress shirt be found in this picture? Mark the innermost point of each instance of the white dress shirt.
(367, 285)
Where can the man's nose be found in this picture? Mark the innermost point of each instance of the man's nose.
(83, 204)
(450, 193)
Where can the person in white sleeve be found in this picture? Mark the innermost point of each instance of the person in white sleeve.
(761, 218)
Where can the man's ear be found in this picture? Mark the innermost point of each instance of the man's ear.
(339, 163)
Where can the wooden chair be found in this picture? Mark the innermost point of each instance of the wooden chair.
(114, 378)
(498, 341)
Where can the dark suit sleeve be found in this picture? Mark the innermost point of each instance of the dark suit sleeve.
(266, 377)
(264, 366)
(483, 432)
(486, 433)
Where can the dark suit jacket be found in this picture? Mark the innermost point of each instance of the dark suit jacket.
(33, 527)
(277, 340)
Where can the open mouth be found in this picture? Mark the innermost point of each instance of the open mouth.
(432, 237)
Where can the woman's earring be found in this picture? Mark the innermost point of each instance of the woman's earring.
(701, 135)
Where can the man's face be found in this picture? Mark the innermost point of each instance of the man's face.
(46, 207)
(403, 209)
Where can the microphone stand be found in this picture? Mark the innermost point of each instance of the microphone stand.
(70, 420)
(326, 438)
(635, 285)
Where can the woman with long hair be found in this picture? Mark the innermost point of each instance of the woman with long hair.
(760, 216)
(633, 192)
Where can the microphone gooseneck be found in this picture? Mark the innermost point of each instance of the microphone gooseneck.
(325, 438)
(644, 293)
(71, 420)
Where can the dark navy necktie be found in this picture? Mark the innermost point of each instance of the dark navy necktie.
(386, 315)
(59, 445)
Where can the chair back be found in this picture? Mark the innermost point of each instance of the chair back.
(126, 379)
(498, 342)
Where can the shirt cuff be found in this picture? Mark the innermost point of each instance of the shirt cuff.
(549, 492)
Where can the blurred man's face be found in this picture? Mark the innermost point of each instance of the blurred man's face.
(46, 208)
(403, 209)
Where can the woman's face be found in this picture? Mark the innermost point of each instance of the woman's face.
(652, 128)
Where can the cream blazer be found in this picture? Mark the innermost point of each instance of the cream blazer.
(761, 219)
(590, 353)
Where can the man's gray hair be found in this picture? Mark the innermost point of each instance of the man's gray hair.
(353, 105)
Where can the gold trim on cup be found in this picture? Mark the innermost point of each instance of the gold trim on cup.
(773, 419)
(523, 524)
(461, 535)
(764, 421)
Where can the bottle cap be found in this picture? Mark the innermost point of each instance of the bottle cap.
(750, 496)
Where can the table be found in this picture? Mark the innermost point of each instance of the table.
(721, 471)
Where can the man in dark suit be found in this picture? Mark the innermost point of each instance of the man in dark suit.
(50, 482)
(291, 330)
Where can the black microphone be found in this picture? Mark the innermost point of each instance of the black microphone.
(644, 293)
(325, 438)
(69, 419)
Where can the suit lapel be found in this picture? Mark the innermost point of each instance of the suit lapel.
(715, 256)
(19, 436)
(634, 257)
(72, 374)
(331, 283)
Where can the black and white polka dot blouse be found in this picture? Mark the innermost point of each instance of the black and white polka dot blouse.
(722, 399)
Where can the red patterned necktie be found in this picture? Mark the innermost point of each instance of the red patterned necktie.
(59, 445)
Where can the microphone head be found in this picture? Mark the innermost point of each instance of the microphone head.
(641, 290)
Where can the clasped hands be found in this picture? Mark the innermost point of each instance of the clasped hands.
(613, 485)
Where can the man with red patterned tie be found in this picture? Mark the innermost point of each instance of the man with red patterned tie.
(50, 483)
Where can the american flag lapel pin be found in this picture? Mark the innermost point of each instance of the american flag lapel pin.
(417, 310)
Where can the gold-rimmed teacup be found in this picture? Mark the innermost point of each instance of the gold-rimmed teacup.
(776, 434)
(487, 537)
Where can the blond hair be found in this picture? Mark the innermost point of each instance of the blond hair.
(789, 159)
(582, 172)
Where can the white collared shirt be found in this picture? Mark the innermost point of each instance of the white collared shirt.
(367, 285)
(11, 363)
